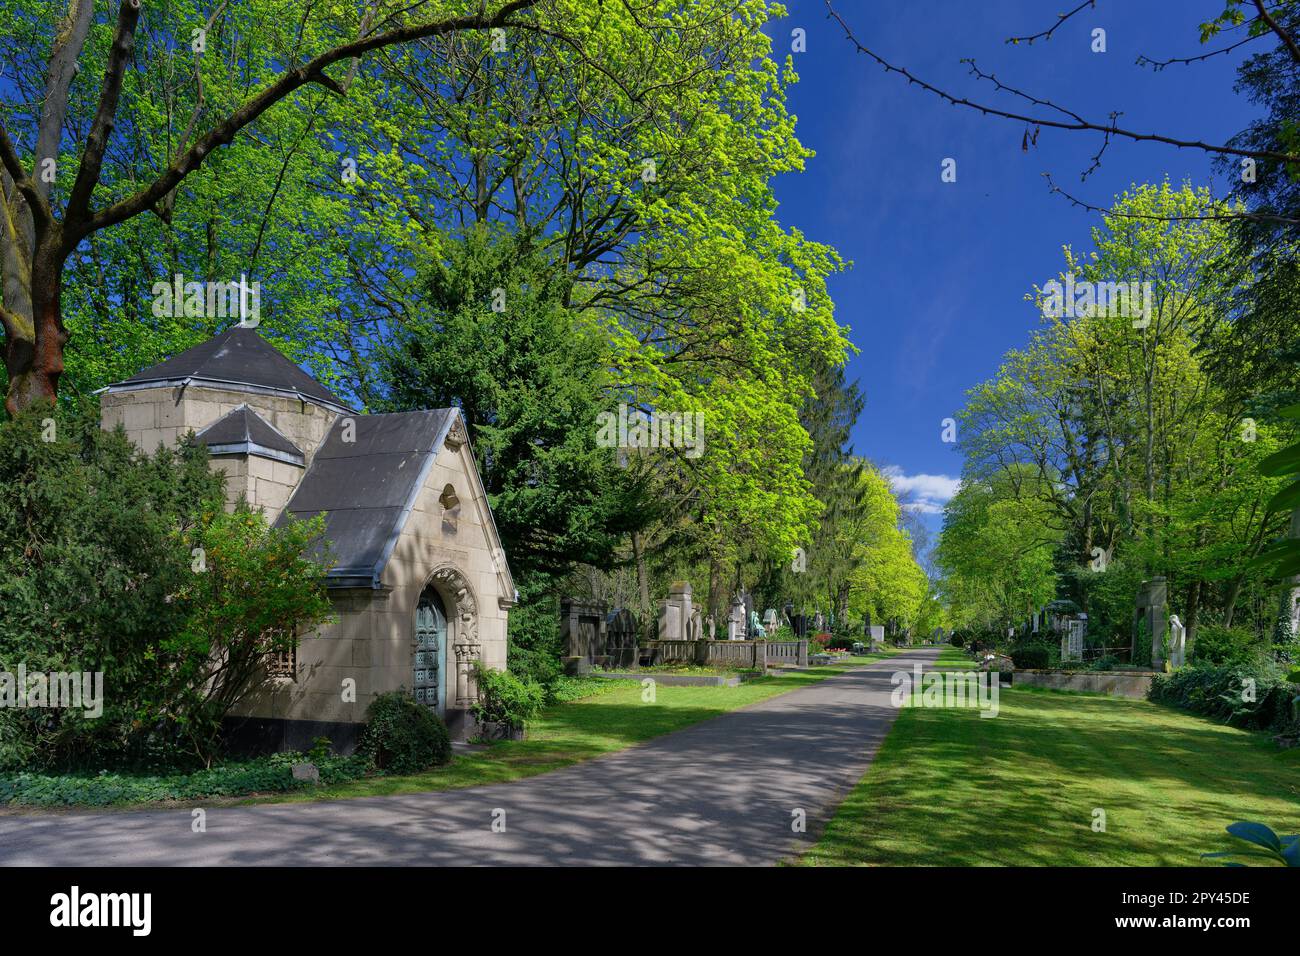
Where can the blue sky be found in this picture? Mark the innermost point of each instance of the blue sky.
(936, 292)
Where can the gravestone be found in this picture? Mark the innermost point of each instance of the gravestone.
(582, 628)
(877, 636)
(1177, 642)
(675, 613)
(1150, 616)
(621, 639)
(736, 621)
(770, 623)
(755, 626)
(1072, 638)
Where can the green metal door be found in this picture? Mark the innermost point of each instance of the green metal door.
(430, 638)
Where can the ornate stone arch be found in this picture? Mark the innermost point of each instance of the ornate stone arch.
(459, 598)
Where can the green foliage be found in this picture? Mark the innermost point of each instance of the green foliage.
(534, 646)
(91, 556)
(1221, 692)
(885, 580)
(1031, 656)
(264, 775)
(996, 550)
(403, 736)
(1283, 558)
(1280, 849)
(505, 698)
(1109, 597)
(531, 382)
(1121, 449)
(564, 689)
(1226, 646)
(99, 572)
(258, 592)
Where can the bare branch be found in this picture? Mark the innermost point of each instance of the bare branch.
(92, 158)
(1060, 20)
(1158, 65)
(1078, 125)
(1214, 217)
(70, 38)
(22, 182)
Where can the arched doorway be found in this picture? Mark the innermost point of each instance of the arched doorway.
(430, 678)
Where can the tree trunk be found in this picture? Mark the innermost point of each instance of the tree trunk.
(1194, 592)
(1230, 601)
(1288, 624)
(35, 365)
(715, 588)
(643, 582)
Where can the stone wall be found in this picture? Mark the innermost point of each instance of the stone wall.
(1134, 684)
(155, 416)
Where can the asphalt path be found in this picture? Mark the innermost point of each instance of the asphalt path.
(732, 790)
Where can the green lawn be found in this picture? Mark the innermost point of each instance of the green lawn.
(952, 658)
(951, 788)
(578, 730)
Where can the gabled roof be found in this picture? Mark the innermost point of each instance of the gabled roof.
(238, 359)
(244, 432)
(367, 487)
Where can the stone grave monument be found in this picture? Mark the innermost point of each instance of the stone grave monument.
(736, 620)
(675, 612)
(1150, 618)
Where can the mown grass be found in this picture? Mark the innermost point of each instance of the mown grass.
(952, 658)
(951, 788)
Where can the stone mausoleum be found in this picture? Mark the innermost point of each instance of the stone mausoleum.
(420, 585)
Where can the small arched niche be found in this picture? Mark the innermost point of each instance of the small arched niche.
(450, 510)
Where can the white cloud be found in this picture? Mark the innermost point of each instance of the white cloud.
(924, 493)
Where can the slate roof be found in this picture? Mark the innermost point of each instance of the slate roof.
(244, 432)
(366, 488)
(238, 357)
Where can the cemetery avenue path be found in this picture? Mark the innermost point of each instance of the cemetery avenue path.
(718, 792)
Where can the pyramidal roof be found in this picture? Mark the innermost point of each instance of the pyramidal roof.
(237, 358)
(244, 432)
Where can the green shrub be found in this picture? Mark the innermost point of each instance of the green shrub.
(1218, 692)
(1225, 645)
(403, 736)
(565, 689)
(92, 553)
(1031, 656)
(271, 774)
(507, 699)
(127, 565)
(957, 640)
